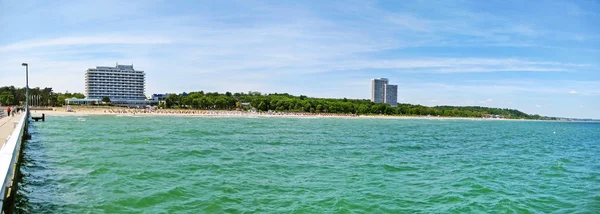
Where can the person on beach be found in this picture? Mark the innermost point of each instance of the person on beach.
(8, 111)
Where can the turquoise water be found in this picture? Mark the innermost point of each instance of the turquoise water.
(109, 164)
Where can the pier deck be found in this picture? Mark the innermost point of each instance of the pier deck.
(7, 125)
(10, 158)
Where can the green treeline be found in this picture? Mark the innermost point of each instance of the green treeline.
(10, 95)
(289, 103)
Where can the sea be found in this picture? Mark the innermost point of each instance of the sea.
(178, 164)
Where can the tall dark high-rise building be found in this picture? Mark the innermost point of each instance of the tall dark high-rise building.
(383, 92)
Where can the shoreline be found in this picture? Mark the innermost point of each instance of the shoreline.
(224, 113)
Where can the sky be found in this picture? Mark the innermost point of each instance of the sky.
(538, 56)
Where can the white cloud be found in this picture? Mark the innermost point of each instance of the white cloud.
(456, 65)
(573, 92)
(503, 86)
(525, 30)
(410, 22)
(86, 40)
(538, 106)
(489, 100)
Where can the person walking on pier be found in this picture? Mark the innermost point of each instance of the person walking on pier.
(8, 111)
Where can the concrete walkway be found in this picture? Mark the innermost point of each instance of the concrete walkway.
(7, 125)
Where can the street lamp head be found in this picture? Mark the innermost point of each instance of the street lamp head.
(24, 64)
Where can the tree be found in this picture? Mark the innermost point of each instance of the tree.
(46, 93)
(172, 100)
(378, 108)
(363, 109)
(196, 102)
(185, 101)
(389, 110)
(106, 99)
(6, 98)
(262, 106)
(54, 100)
(448, 113)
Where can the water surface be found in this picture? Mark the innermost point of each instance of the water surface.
(110, 164)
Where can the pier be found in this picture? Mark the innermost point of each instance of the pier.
(7, 125)
(13, 131)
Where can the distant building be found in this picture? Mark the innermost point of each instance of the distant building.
(121, 82)
(383, 92)
(159, 97)
(124, 86)
(391, 95)
(378, 90)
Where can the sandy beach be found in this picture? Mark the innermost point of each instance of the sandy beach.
(92, 111)
(83, 111)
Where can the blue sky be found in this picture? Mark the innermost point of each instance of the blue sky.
(541, 57)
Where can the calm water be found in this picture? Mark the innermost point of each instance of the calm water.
(109, 164)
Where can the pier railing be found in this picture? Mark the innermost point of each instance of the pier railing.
(9, 158)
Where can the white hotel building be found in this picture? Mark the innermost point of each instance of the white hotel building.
(118, 83)
(124, 86)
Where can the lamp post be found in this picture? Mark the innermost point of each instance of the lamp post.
(26, 87)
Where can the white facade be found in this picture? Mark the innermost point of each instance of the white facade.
(383, 92)
(121, 82)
